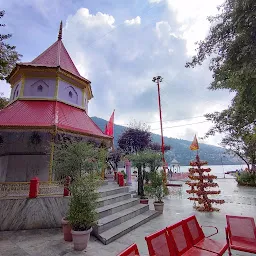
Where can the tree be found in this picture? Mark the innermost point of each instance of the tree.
(231, 44)
(113, 158)
(139, 161)
(135, 138)
(75, 159)
(3, 101)
(239, 139)
(8, 55)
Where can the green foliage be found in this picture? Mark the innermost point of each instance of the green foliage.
(124, 173)
(76, 159)
(156, 188)
(82, 213)
(231, 45)
(8, 55)
(239, 139)
(247, 178)
(102, 156)
(3, 101)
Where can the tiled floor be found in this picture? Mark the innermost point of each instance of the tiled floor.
(240, 201)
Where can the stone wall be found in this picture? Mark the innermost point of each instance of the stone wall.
(25, 213)
(24, 155)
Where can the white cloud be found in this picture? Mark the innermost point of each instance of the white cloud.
(135, 21)
(192, 17)
(155, 1)
(121, 61)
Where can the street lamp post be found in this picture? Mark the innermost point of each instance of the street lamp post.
(158, 80)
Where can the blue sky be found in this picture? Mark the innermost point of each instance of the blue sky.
(120, 45)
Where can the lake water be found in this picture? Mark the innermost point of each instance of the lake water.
(217, 170)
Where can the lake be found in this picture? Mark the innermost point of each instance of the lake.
(218, 170)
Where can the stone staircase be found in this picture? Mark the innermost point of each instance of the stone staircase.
(119, 213)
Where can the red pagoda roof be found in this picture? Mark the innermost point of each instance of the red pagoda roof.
(55, 56)
(47, 114)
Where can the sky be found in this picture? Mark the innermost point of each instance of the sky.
(120, 45)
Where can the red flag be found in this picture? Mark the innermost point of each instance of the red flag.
(194, 145)
(109, 130)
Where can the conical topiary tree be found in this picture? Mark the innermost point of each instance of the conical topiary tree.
(200, 186)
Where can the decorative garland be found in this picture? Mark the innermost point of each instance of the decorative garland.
(199, 183)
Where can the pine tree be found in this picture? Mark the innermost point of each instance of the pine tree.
(200, 185)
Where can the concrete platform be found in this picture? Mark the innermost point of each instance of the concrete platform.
(49, 242)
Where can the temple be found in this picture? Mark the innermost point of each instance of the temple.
(48, 104)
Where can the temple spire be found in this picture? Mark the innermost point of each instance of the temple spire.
(60, 32)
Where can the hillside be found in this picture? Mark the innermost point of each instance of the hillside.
(180, 148)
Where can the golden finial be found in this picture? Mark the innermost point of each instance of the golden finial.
(60, 32)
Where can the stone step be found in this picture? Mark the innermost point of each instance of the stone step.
(104, 182)
(125, 227)
(112, 190)
(120, 217)
(116, 207)
(107, 200)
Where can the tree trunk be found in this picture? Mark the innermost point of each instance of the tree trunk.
(140, 182)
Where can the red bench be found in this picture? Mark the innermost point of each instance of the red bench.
(241, 234)
(198, 239)
(159, 244)
(132, 250)
(180, 238)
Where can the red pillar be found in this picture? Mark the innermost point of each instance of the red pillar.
(121, 180)
(118, 177)
(66, 191)
(34, 187)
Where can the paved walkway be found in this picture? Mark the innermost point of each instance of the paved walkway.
(50, 242)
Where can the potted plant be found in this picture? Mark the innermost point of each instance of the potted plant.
(82, 209)
(66, 228)
(156, 190)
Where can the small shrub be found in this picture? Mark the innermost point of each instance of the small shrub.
(156, 188)
(246, 178)
(82, 213)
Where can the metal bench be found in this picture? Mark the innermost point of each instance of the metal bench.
(132, 250)
(241, 234)
(159, 244)
(181, 240)
(199, 240)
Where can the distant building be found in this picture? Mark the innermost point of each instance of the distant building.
(175, 165)
(48, 105)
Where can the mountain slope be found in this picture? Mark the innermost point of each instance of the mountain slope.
(180, 148)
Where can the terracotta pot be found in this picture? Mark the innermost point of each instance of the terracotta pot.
(66, 228)
(81, 239)
(144, 201)
(159, 207)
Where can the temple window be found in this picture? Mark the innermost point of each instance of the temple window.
(70, 94)
(17, 93)
(40, 88)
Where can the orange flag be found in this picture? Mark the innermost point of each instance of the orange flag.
(109, 129)
(194, 145)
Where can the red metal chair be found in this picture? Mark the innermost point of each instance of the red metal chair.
(199, 240)
(132, 250)
(159, 244)
(179, 237)
(241, 234)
